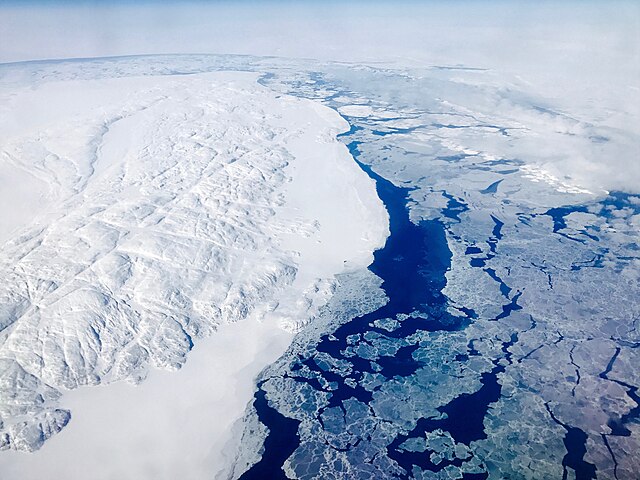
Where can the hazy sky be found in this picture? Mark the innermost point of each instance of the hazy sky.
(355, 30)
(595, 41)
(584, 56)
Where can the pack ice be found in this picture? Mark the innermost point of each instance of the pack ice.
(139, 214)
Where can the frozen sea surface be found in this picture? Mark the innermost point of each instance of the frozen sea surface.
(496, 333)
(506, 341)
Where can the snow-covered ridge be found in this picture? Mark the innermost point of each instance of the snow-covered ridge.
(149, 211)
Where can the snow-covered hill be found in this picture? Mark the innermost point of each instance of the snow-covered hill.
(140, 214)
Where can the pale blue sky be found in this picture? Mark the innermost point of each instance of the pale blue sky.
(468, 30)
(565, 48)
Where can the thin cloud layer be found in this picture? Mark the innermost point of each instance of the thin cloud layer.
(583, 58)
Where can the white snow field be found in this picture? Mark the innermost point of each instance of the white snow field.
(139, 216)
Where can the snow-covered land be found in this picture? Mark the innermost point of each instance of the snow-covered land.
(141, 214)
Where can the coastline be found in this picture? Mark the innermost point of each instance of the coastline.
(193, 420)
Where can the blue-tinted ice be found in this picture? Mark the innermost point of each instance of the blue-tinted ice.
(508, 307)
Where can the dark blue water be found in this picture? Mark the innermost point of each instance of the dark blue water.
(558, 215)
(606, 207)
(412, 265)
(619, 426)
(278, 442)
(493, 188)
(575, 441)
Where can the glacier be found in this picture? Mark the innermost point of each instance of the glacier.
(164, 209)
